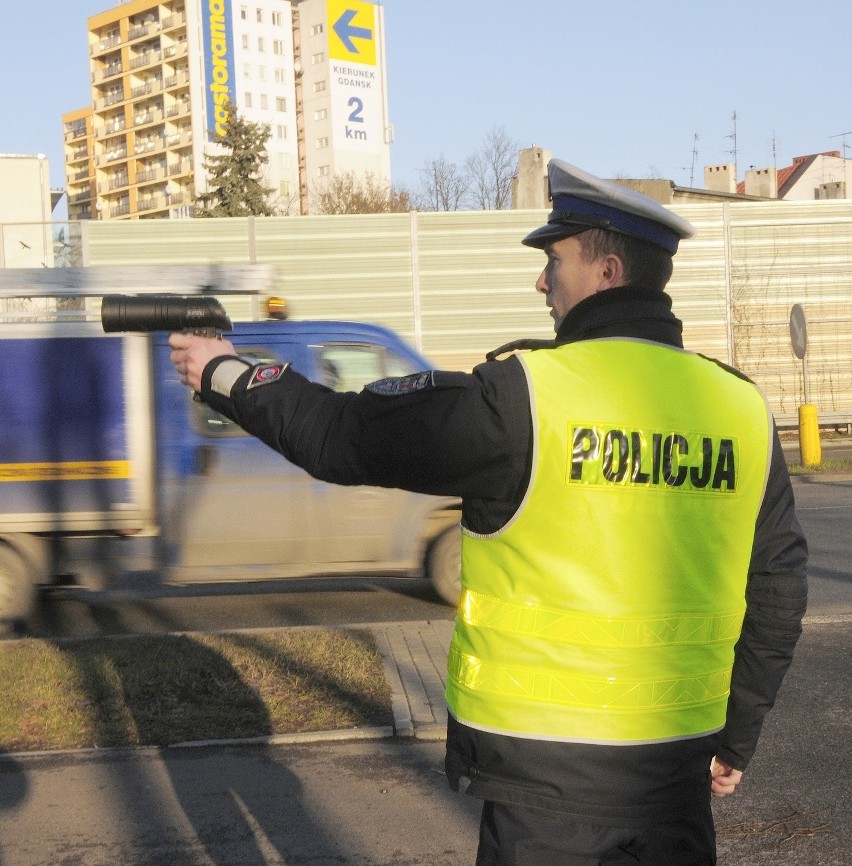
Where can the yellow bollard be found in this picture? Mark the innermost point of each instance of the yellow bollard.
(810, 448)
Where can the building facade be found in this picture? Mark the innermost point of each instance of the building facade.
(162, 72)
(26, 203)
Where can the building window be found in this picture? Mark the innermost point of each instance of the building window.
(261, 73)
(319, 57)
(277, 19)
(281, 131)
(246, 70)
(280, 75)
(323, 171)
(260, 16)
(322, 142)
(245, 41)
(277, 46)
(264, 101)
(244, 13)
(321, 114)
(247, 100)
(260, 46)
(319, 86)
(280, 103)
(316, 30)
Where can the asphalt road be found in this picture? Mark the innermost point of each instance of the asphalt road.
(824, 506)
(383, 802)
(386, 802)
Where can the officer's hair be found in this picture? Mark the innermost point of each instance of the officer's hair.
(645, 264)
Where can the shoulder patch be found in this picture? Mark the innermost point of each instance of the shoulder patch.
(396, 386)
(266, 373)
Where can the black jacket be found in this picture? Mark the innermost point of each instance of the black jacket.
(470, 435)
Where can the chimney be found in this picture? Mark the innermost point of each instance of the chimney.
(762, 182)
(720, 178)
(529, 185)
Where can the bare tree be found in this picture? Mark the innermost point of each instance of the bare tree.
(491, 170)
(349, 193)
(443, 186)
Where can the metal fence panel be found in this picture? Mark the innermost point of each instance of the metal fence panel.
(460, 284)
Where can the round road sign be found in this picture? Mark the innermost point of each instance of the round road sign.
(798, 331)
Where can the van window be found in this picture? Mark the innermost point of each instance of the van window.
(351, 366)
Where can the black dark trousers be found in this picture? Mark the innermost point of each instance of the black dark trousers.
(518, 836)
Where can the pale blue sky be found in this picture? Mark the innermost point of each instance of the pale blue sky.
(618, 87)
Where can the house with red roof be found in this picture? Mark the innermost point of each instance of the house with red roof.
(826, 175)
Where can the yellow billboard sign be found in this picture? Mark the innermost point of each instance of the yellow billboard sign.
(352, 31)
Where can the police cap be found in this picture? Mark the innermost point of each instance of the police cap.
(582, 201)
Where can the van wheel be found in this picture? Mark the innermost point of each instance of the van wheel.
(17, 590)
(443, 565)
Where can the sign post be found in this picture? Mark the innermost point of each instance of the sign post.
(810, 449)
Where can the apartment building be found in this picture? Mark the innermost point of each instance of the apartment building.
(312, 70)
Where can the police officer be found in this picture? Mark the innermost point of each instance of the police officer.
(633, 570)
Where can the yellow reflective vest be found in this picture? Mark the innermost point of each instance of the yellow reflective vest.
(607, 609)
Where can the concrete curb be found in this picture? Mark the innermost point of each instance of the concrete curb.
(415, 657)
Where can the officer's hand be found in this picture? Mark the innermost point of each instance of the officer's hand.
(724, 778)
(191, 354)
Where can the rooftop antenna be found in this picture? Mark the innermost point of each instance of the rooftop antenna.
(843, 145)
(733, 150)
(694, 156)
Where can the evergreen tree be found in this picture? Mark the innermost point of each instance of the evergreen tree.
(234, 178)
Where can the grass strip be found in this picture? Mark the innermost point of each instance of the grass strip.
(163, 689)
(828, 466)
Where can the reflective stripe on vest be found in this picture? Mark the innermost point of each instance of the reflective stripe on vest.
(608, 608)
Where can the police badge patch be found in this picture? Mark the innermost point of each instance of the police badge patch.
(396, 386)
(265, 374)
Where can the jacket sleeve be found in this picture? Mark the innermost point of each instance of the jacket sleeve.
(457, 434)
(776, 598)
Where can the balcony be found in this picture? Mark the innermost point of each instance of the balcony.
(177, 20)
(104, 45)
(80, 196)
(178, 168)
(179, 139)
(140, 31)
(112, 98)
(152, 202)
(146, 89)
(176, 50)
(118, 182)
(119, 210)
(147, 59)
(75, 132)
(112, 128)
(151, 145)
(108, 72)
(112, 155)
(146, 118)
(149, 175)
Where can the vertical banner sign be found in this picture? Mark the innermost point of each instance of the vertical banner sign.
(356, 96)
(218, 37)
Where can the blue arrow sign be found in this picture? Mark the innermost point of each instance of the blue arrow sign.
(346, 32)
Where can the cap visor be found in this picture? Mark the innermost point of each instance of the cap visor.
(552, 232)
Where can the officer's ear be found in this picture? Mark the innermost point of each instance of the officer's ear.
(612, 272)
